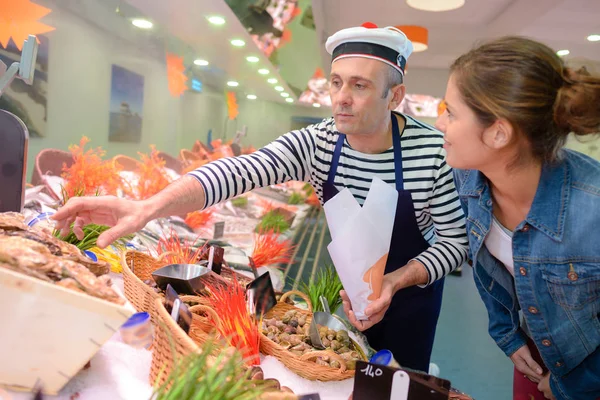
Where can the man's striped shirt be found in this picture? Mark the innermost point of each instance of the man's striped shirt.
(305, 155)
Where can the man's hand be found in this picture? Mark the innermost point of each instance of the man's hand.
(544, 387)
(376, 310)
(413, 273)
(124, 216)
(526, 364)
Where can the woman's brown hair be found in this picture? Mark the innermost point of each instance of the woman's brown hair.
(526, 83)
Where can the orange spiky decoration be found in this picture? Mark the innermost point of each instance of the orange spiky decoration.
(90, 174)
(232, 106)
(199, 219)
(176, 75)
(237, 326)
(269, 249)
(180, 251)
(19, 19)
(152, 175)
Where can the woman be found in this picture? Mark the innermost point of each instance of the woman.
(532, 209)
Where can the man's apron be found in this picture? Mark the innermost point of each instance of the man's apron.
(408, 327)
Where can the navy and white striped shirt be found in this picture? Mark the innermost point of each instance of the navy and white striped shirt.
(305, 155)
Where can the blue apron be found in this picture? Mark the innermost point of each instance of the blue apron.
(408, 327)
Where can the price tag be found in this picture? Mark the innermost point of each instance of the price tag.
(219, 230)
(372, 381)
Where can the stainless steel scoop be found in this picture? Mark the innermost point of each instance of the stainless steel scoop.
(323, 319)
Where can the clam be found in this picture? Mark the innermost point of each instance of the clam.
(322, 362)
(288, 316)
(256, 373)
(302, 320)
(335, 345)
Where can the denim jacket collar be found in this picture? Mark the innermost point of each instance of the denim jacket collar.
(546, 213)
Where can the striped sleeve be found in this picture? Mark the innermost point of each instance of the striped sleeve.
(285, 159)
(450, 249)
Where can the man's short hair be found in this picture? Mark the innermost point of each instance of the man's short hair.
(394, 78)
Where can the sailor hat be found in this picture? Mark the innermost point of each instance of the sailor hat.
(389, 45)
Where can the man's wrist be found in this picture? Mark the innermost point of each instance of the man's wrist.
(413, 273)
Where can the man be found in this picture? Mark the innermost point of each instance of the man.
(366, 85)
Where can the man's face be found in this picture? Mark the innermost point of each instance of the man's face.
(356, 88)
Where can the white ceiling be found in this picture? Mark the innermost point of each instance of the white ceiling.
(562, 24)
(181, 27)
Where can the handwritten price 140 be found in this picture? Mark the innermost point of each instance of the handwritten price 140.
(372, 372)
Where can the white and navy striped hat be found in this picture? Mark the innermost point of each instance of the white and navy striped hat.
(388, 44)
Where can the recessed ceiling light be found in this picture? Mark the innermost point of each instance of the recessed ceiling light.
(279, 88)
(289, 100)
(251, 97)
(594, 38)
(316, 105)
(252, 59)
(284, 94)
(272, 81)
(263, 71)
(232, 84)
(142, 23)
(238, 42)
(216, 20)
(435, 5)
(562, 53)
(201, 63)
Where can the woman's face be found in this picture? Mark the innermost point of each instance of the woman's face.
(465, 137)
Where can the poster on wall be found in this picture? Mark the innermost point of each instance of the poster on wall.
(126, 105)
(28, 102)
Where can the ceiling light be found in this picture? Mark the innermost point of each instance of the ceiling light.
(279, 88)
(289, 100)
(263, 71)
(418, 35)
(284, 94)
(252, 59)
(594, 38)
(142, 23)
(216, 20)
(201, 63)
(251, 97)
(316, 105)
(233, 84)
(435, 5)
(238, 42)
(562, 53)
(272, 81)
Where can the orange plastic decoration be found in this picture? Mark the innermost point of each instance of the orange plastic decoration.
(19, 19)
(176, 75)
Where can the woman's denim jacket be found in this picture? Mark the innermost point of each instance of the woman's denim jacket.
(556, 253)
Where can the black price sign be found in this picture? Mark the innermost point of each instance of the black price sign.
(372, 381)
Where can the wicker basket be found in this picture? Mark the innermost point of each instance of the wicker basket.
(202, 328)
(172, 344)
(302, 365)
(137, 267)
